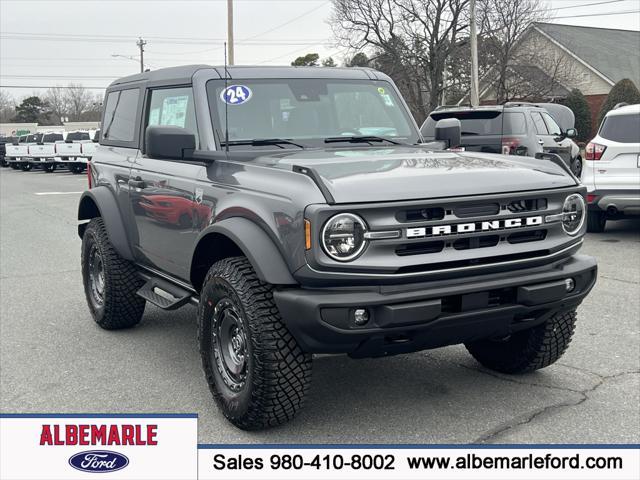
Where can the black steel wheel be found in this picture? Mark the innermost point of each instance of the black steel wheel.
(257, 372)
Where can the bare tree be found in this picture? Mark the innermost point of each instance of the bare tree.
(7, 106)
(78, 99)
(58, 104)
(411, 41)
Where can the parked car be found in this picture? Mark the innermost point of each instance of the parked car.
(319, 222)
(69, 150)
(612, 168)
(18, 153)
(87, 150)
(3, 149)
(43, 154)
(515, 128)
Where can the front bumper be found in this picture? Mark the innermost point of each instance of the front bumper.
(411, 317)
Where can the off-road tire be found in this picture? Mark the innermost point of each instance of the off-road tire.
(121, 307)
(278, 372)
(527, 350)
(596, 221)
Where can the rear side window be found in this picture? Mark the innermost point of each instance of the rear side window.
(621, 128)
(120, 115)
(75, 136)
(173, 106)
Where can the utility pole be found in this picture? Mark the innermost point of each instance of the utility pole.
(474, 97)
(141, 43)
(230, 31)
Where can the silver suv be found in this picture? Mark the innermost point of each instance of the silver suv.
(513, 129)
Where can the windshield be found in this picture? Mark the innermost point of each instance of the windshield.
(308, 111)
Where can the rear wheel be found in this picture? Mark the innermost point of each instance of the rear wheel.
(13, 165)
(110, 281)
(76, 169)
(256, 371)
(528, 350)
(26, 167)
(49, 168)
(576, 167)
(596, 221)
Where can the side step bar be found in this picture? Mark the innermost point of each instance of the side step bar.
(164, 294)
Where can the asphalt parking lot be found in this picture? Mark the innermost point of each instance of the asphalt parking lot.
(53, 358)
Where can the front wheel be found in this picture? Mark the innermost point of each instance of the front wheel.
(256, 371)
(528, 350)
(577, 167)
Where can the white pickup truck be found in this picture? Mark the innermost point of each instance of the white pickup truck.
(43, 154)
(17, 153)
(69, 150)
(87, 150)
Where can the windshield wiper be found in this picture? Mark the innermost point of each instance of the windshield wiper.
(256, 142)
(360, 139)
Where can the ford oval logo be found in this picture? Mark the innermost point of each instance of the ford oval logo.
(98, 461)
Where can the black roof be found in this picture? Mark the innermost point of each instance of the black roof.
(185, 73)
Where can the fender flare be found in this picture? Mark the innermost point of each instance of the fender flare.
(256, 245)
(102, 199)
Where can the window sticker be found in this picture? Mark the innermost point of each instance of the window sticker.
(236, 94)
(381, 90)
(174, 111)
(388, 101)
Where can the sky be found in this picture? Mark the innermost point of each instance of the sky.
(45, 43)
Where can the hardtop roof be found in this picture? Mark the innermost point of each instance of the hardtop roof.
(184, 74)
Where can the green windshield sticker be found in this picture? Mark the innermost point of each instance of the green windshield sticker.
(381, 90)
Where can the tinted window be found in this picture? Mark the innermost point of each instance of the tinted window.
(552, 126)
(120, 115)
(538, 122)
(173, 106)
(476, 122)
(52, 137)
(621, 128)
(75, 136)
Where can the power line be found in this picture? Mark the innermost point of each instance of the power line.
(624, 12)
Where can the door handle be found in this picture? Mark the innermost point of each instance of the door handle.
(540, 141)
(137, 183)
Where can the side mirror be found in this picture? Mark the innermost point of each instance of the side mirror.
(448, 131)
(165, 141)
(571, 133)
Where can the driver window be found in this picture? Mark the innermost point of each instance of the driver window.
(173, 106)
(554, 128)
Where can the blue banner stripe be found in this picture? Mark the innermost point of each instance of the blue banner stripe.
(342, 446)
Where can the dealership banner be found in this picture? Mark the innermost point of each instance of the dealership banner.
(70, 446)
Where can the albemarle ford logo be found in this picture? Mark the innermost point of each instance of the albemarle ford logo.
(99, 435)
(98, 461)
(486, 226)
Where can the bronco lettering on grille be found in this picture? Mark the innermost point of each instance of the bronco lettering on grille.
(485, 226)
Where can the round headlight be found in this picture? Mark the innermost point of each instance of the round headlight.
(343, 237)
(573, 213)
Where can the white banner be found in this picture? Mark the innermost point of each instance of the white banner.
(455, 462)
(64, 447)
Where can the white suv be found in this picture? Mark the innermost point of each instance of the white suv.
(611, 169)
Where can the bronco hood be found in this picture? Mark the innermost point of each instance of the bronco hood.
(377, 174)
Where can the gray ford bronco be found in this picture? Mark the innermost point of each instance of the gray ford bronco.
(300, 211)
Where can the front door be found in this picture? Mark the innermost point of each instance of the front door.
(162, 192)
(550, 136)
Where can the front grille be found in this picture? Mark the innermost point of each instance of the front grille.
(453, 233)
(529, 205)
(468, 211)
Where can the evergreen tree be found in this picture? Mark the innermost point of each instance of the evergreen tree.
(623, 91)
(577, 102)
